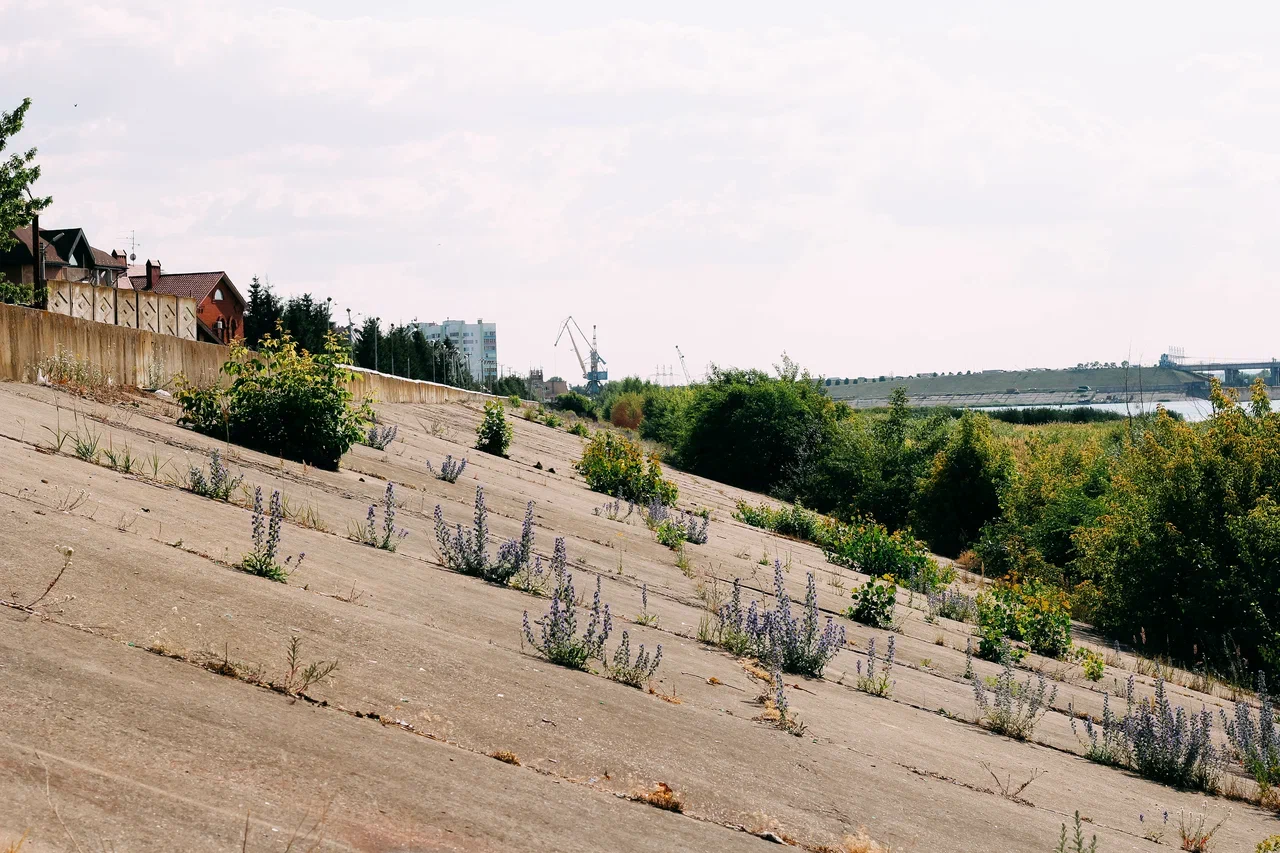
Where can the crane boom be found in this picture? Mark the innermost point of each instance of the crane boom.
(565, 327)
(593, 374)
(683, 366)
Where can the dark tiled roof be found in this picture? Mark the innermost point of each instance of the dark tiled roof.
(104, 259)
(193, 285)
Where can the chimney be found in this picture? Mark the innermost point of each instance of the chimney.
(153, 274)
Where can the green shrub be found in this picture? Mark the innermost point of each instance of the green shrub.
(670, 533)
(552, 420)
(1094, 664)
(1033, 612)
(494, 433)
(627, 411)
(579, 404)
(514, 401)
(580, 429)
(15, 293)
(870, 548)
(873, 603)
(615, 465)
(282, 400)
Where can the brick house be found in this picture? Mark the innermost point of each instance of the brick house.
(220, 312)
(67, 257)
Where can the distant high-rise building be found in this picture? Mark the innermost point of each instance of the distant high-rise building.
(478, 343)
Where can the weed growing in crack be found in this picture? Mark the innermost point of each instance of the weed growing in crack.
(388, 537)
(876, 680)
(670, 533)
(121, 460)
(873, 603)
(299, 676)
(777, 710)
(1191, 829)
(645, 618)
(612, 510)
(262, 560)
(1075, 844)
(1017, 708)
(467, 551)
(560, 643)
(506, 756)
(450, 469)
(1108, 741)
(795, 644)
(949, 604)
(219, 485)
(968, 658)
(1256, 743)
(379, 438)
(1156, 741)
(1174, 747)
(86, 446)
(635, 673)
(694, 527)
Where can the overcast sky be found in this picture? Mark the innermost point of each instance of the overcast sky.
(872, 187)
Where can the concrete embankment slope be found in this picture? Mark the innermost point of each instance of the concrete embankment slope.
(125, 727)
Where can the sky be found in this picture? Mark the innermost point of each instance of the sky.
(884, 188)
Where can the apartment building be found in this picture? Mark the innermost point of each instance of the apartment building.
(478, 343)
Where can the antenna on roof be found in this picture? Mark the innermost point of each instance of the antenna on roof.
(132, 242)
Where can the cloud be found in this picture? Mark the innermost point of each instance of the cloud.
(831, 189)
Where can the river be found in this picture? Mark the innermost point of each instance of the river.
(1192, 410)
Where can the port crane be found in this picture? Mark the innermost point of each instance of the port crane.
(592, 373)
(683, 366)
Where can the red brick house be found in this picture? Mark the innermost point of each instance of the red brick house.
(220, 312)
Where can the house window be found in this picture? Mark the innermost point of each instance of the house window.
(217, 294)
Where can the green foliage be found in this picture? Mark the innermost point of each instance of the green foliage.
(18, 173)
(514, 388)
(282, 401)
(579, 404)
(756, 431)
(580, 429)
(1094, 664)
(493, 435)
(615, 465)
(15, 293)
(1031, 611)
(665, 415)
(670, 533)
(870, 548)
(962, 490)
(552, 420)
(873, 603)
(1076, 843)
(1188, 545)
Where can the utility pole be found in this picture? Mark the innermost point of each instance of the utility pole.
(351, 334)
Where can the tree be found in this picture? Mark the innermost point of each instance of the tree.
(18, 206)
(261, 314)
(308, 320)
(962, 490)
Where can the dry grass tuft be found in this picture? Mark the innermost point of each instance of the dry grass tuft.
(673, 699)
(15, 846)
(860, 843)
(662, 797)
(506, 756)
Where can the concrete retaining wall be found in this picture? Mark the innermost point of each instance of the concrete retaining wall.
(148, 359)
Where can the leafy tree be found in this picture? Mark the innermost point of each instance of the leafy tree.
(665, 415)
(753, 430)
(962, 490)
(1187, 549)
(14, 293)
(18, 205)
(579, 404)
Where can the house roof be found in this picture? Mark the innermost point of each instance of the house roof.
(193, 285)
(61, 244)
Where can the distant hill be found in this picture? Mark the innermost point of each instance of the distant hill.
(1105, 380)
